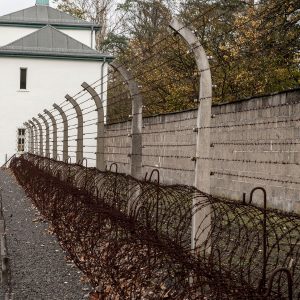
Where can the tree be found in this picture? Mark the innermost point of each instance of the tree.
(157, 58)
(96, 11)
(254, 45)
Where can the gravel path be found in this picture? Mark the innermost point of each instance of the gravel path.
(39, 270)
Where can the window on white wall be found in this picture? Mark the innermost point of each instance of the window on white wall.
(21, 131)
(23, 78)
(21, 140)
(21, 144)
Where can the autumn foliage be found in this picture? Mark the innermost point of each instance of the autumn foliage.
(254, 46)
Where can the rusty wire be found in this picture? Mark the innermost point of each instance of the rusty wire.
(132, 238)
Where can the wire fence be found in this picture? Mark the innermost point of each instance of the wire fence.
(171, 142)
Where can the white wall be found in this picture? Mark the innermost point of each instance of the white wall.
(10, 34)
(83, 36)
(48, 82)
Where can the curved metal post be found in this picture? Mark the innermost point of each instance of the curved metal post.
(289, 282)
(137, 121)
(79, 148)
(35, 137)
(202, 168)
(41, 152)
(47, 150)
(54, 135)
(100, 127)
(265, 236)
(66, 135)
(30, 137)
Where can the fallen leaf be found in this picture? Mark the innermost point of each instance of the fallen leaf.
(94, 296)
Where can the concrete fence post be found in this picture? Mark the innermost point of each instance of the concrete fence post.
(54, 133)
(201, 222)
(79, 140)
(66, 134)
(47, 150)
(41, 152)
(35, 137)
(30, 137)
(137, 121)
(100, 164)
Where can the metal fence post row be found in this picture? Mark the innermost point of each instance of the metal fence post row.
(54, 134)
(79, 140)
(137, 121)
(66, 134)
(41, 152)
(35, 137)
(202, 218)
(100, 126)
(30, 137)
(47, 150)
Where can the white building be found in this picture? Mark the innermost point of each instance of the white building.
(44, 54)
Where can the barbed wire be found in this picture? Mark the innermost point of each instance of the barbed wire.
(218, 172)
(255, 143)
(248, 161)
(262, 107)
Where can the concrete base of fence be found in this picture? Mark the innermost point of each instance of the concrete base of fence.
(4, 273)
(3, 246)
(4, 260)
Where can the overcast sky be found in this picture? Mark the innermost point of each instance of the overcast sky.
(8, 6)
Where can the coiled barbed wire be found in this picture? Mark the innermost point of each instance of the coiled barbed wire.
(132, 238)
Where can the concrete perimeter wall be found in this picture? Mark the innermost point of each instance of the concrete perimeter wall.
(254, 142)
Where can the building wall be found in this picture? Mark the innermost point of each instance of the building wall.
(83, 36)
(254, 142)
(9, 34)
(48, 82)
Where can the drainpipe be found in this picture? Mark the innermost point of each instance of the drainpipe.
(104, 99)
(92, 37)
